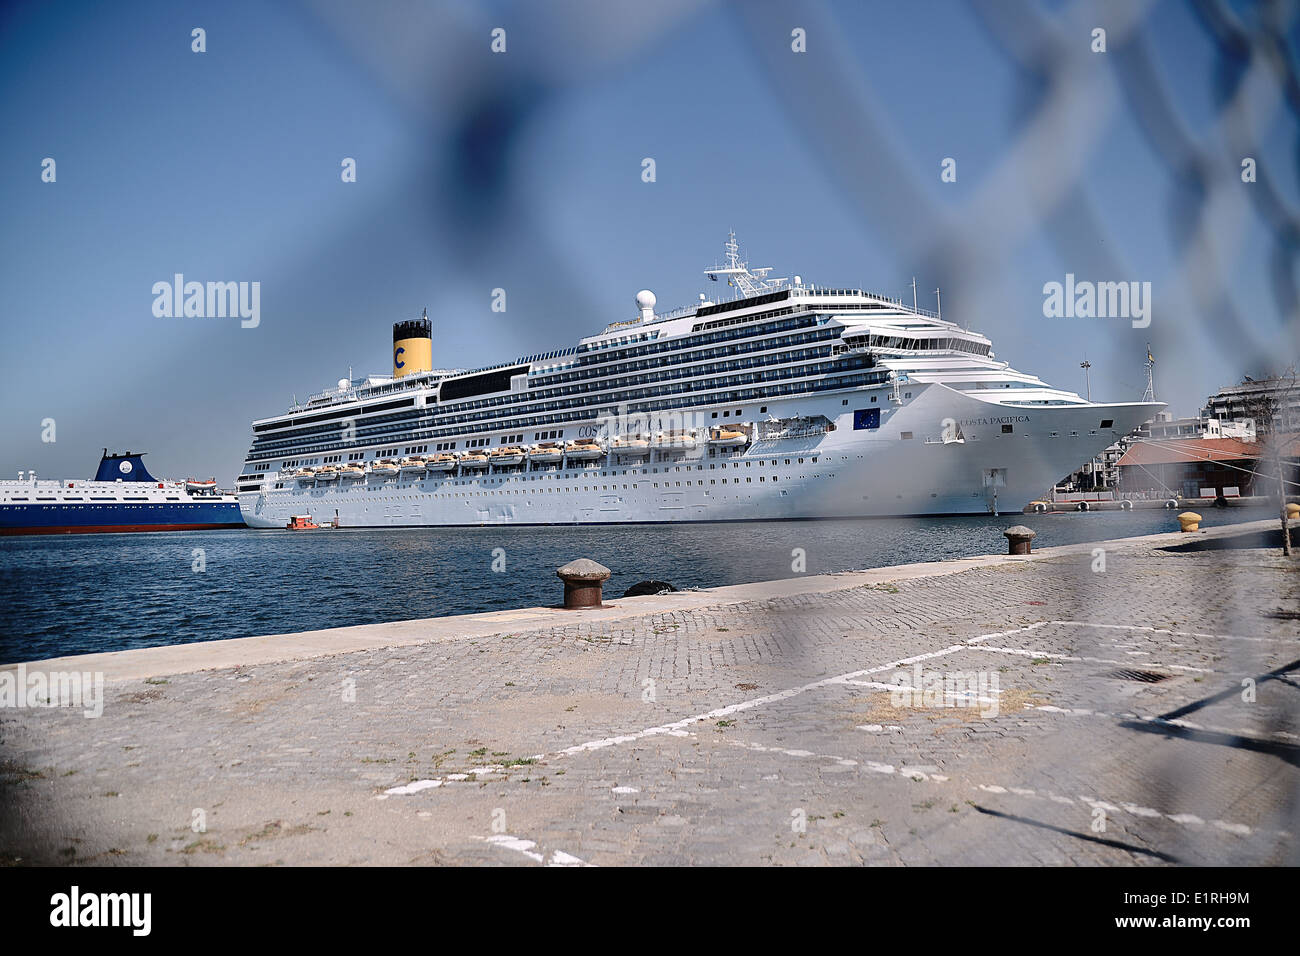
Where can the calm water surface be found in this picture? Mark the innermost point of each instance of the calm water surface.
(82, 593)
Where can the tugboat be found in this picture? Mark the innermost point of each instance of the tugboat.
(122, 496)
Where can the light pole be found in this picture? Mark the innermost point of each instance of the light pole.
(1087, 379)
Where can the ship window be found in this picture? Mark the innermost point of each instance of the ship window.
(1006, 429)
(1107, 422)
(903, 435)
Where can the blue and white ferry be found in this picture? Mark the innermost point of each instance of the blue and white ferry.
(122, 496)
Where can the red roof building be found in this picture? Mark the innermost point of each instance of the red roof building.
(1195, 466)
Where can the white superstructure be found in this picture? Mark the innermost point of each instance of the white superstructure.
(789, 401)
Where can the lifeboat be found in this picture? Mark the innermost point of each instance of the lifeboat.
(440, 463)
(547, 452)
(327, 473)
(506, 455)
(301, 523)
(193, 485)
(727, 438)
(352, 472)
(583, 449)
(629, 445)
(412, 466)
(305, 475)
(672, 441)
(384, 468)
(473, 459)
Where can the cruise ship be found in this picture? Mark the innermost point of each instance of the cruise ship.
(122, 496)
(788, 400)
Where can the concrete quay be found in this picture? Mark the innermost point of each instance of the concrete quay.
(1130, 702)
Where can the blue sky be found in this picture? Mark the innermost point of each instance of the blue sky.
(523, 171)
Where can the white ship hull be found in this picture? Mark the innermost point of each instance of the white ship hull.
(1006, 456)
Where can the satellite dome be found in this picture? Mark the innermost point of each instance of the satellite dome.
(645, 299)
(343, 384)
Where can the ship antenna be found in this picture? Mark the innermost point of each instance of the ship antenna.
(913, 293)
(745, 280)
(939, 302)
(1150, 394)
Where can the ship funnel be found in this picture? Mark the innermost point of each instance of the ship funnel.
(128, 466)
(413, 346)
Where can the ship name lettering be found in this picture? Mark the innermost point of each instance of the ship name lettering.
(1003, 420)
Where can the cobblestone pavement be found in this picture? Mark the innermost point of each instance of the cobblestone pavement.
(1141, 715)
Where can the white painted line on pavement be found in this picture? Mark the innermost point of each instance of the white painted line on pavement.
(1281, 735)
(748, 704)
(529, 849)
(1165, 630)
(1070, 658)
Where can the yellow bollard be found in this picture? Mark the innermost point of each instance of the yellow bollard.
(1190, 521)
(1292, 510)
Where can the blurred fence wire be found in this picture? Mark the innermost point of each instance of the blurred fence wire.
(1067, 99)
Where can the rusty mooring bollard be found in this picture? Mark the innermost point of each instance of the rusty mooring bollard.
(1018, 539)
(582, 583)
(1190, 521)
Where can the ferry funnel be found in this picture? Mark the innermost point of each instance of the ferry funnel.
(413, 346)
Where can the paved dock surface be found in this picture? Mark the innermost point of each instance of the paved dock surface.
(1143, 714)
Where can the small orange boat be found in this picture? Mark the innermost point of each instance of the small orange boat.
(300, 523)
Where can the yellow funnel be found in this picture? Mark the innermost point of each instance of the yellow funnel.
(413, 346)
